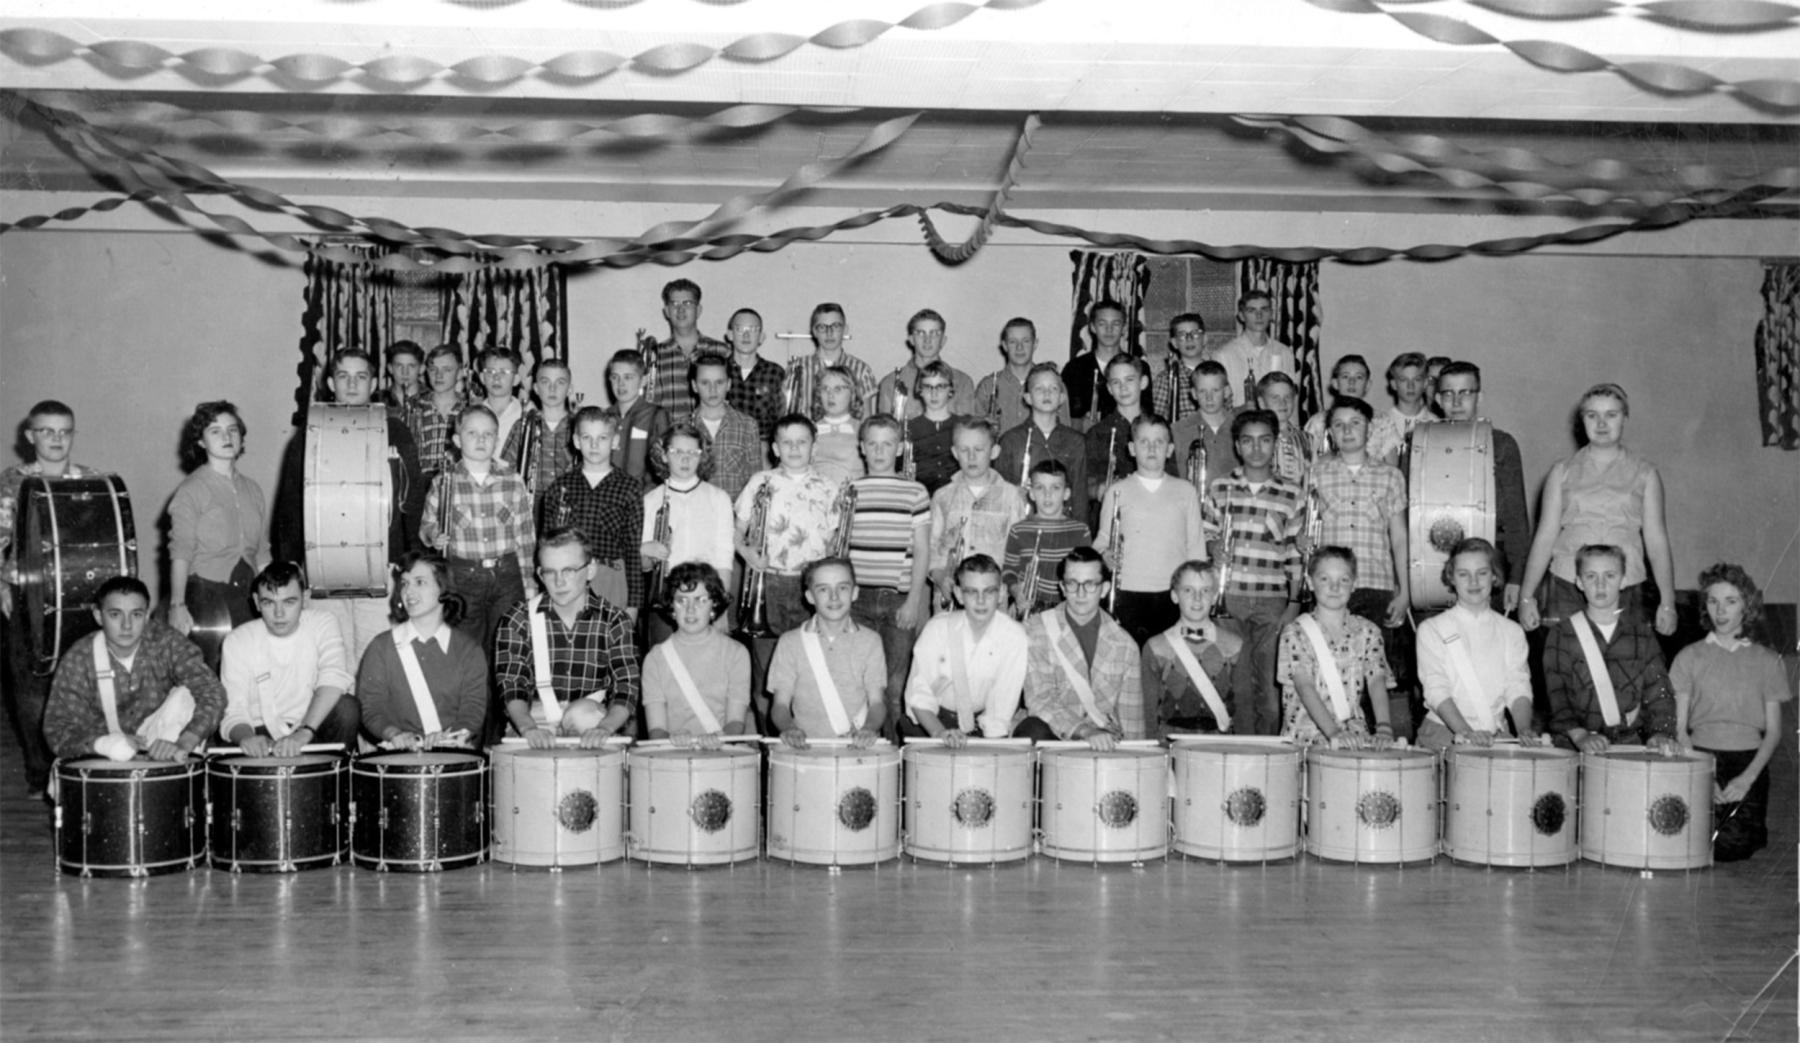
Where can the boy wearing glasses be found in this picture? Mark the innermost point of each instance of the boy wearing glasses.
(1459, 398)
(499, 373)
(968, 669)
(1083, 678)
(50, 430)
(898, 392)
(829, 329)
(606, 505)
(931, 432)
(564, 660)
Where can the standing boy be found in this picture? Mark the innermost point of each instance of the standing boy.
(1001, 394)
(897, 395)
(1149, 524)
(1036, 547)
(731, 445)
(1043, 436)
(638, 448)
(606, 506)
(890, 548)
(544, 430)
(974, 513)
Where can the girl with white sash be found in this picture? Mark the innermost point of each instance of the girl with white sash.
(424, 684)
(697, 682)
(1472, 660)
(1329, 659)
(829, 675)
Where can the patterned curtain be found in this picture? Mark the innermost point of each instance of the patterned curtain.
(525, 310)
(346, 306)
(1123, 276)
(1778, 356)
(1294, 287)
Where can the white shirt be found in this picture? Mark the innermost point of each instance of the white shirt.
(1496, 647)
(1242, 358)
(274, 677)
(996, 670)
(699, 525)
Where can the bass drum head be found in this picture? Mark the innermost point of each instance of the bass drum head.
(1450, 498)
(74, 534)
(349, 499)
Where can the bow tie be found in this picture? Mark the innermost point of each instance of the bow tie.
(1194, 633)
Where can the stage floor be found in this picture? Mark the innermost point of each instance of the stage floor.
(1038, 950)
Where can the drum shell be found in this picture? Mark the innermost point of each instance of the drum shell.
(349, 500)
(1237, 799)
(968, 806)
(834, 806)
(130, 818)
(1371, 805)
(1644, 810)
(276, 814)
(1104, 805)
(694, 807)
(419, 812)
(1510, 806)
(558, 807)
(73, 535)
(1450, 497)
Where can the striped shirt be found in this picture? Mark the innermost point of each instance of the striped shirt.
(1049, 540)
(1357, 504)
(889, 511)
(482, 519)
(1264, 521)
(667, 366)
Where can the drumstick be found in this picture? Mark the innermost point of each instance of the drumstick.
(664, 744)
(1236, 740)
(311, 747)
(776, 740)
(1022, 744)
(1082, 744)
(564, 741)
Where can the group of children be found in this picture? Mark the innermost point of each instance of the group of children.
(905, 569)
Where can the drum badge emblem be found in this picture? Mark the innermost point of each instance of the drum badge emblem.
(973, 808)
(1377, 809)
(1445, 533)
(1117, 809)
(1548, 813)
(1669, 815)
(710, 811)
(856, 809)
(577, 811)
(1245, 807)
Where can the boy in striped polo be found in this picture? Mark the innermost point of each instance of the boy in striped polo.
(890, 548)
(1044, 539)
(1259, 517)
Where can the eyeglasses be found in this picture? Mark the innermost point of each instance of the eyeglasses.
(1082, 586)
(685, 454)
(53, 432)
(1459, 395)
(829, 327)
(568, 575)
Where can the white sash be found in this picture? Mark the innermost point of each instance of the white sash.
(1603, 686)
(685, 681)
(959, 680)
(1328, 668)
(1077, 679)
(540, 662)
(415, 679)
(1464, 668)
(1208, 691)
(103, 680)
(260, 692)
(828, 689)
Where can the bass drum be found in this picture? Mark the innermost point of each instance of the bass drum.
(349, 500)
(74, 535)
(1450, 497)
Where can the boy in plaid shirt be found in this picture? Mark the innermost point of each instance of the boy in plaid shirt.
(1259, 516)
(607, 505)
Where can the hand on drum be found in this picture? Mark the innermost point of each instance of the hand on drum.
(1594, 742)
(1381, 740)
(1477, 738)
(794, 738)
(1345, 739)
(289, 745)
(406, 740)
(1663, 744)
(258, 746)
(594, 738)
(1102, 740)
(164, 750)
(863, 738)
(704, 740)
(955, 738)
(540, 738)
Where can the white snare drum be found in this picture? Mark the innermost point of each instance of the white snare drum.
(1642, 810)
(692, 807)
(834, 805)
(1237, 799)
(349, 500)
(1510, 806)
(1450, 487)
(971, 805)
(1371, 805)
(1110, 806)
(558, 807)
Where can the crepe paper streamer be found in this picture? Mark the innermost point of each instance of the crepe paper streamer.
(978, 238)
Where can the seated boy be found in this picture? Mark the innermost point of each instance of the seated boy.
(1084, 677)
(1604, 675)
(969, 666)
(286, 674)
(1187, 668)
(1036, 547)
(828, 675)
(134, 685)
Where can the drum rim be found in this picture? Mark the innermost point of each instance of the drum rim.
(169, 769)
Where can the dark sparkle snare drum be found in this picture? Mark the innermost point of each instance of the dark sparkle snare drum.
(129, 818)
(419, 812)
(277, 814)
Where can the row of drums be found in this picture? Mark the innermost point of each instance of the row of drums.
(1216, 798)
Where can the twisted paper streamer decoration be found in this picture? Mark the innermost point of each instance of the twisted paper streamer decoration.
(1718, 16)
(1517, 172)
(978, 238)
(76, 213)
(216, 65)
(1658, 77)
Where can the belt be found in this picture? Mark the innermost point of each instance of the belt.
(786, 575)
(482, 563)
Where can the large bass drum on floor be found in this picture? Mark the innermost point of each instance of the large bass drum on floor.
(74, 534)
(349, 500)
(1450, 497)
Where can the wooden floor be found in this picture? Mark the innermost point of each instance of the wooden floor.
(1042, 950)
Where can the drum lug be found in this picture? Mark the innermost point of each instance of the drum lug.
(381, 821)
(187, 815)
(237, 820)
(87, 823)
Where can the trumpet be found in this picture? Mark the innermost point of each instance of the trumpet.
(653, 585)
(1226, 544)
(1115, 546)
(752, 617)
(1196, 465)
(1028, 600)
(846, 512)
(1112, 461)
(945, 602)
(993, 399)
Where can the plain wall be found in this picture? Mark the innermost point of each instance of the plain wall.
(133, 329)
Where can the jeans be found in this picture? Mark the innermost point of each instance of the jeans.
(1253, 679)
(876, 608)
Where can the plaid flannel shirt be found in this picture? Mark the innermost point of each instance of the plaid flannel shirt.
(759, 395)
(597, 652)
(481, 520)
(610, 514)
(667, 367)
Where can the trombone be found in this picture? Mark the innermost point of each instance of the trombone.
(1115, 546)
